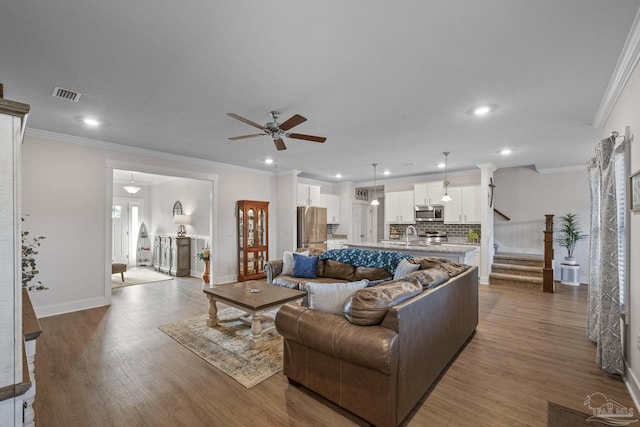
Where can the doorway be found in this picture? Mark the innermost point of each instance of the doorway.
(362, 219)
(126, 217)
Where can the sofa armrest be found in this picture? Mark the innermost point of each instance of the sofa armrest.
(273, 269)
(373, 347)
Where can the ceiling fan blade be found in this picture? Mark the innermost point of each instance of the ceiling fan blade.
(279, 144)
(293, 121)
(247, 121)
(307, 137)
(235, 138)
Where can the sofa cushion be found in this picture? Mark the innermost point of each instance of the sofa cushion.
(330, 297)
(304, 266)
(339, 270)
(369, 306)
(427, 278)
(452, 268)
(404, 267)
(371, 273)
(287, 262)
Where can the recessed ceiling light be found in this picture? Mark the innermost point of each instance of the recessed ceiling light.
(268, 161)
(441, 165)
(89, 121)
(387, 172)
(338, 175)
(505, 152)
(481, 110)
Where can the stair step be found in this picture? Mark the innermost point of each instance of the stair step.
(519, 259)
(515, 269)
(501, 279)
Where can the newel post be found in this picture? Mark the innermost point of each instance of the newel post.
(547, 272)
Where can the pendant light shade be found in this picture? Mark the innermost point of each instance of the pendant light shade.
(374, 201)
(446, 197)
(131, 189)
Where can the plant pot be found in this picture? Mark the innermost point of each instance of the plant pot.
(569, 260)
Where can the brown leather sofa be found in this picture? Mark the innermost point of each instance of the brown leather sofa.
(380, 372)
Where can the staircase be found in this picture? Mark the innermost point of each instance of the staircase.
(518, 269)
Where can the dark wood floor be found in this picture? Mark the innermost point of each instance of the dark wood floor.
(112, 366)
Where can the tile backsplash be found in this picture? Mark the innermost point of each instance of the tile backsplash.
(453, 230)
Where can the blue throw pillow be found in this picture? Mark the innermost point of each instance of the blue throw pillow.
(304, 266)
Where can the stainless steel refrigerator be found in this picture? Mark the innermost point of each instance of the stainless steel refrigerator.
(312, 228)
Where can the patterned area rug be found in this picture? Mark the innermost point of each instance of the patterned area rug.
(137, 277)
(225, 346)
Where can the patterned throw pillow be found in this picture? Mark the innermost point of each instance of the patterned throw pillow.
(330, 297)
(304, 266)
(405, 267)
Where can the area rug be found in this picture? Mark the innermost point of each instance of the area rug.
(138, 277)
(225, 346)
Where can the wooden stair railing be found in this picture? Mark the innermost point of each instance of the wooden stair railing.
(501, 214)
(547, 272)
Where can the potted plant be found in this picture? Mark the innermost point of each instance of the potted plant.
(571, 234)
(29, 269)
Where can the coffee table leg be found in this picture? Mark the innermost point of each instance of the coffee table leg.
(256, 340)
(213, 312)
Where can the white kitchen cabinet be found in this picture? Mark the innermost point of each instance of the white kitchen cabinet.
(336, 244)
(332, 203)
(308, 195)
(464, 207)
(399, 207)
(428, 193)
(471, 205)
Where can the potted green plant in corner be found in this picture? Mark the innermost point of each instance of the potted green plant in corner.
(29, 269)
(571, 234)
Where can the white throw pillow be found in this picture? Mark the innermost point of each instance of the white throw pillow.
(405, 267)
(330, 297)
(287, 262)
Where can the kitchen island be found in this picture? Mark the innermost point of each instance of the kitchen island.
(458, 253)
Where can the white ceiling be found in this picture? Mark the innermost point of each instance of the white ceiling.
(385, 82)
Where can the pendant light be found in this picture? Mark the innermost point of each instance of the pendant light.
(375, 201)
(131, 189)
(446, 197)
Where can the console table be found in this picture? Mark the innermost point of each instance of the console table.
(172, 255)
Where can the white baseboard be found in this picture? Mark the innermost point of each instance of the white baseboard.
(632, 384)
(484, 280)
(71, 306)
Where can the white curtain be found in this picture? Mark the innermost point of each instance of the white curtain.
(603, 322)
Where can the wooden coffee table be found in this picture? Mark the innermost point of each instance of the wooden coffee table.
(254, 298)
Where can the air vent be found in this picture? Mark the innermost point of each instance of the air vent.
(66, 94)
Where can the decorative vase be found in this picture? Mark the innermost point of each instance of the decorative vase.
(569, 260)
(205, 275)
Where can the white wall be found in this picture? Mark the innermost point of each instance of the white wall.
(526, 196)
(67, 190)
(194, 197)
(625, 113)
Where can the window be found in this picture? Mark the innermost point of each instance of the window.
(116, 212)
(621, 164)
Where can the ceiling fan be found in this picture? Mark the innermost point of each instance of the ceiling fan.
(277, 130)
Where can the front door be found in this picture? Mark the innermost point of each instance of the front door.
(120, 232)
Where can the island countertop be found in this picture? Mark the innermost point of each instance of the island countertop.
(459, 253)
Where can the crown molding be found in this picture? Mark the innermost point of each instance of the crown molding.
(625, 66)
(112, 146)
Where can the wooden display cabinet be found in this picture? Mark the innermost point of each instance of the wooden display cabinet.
(253, 239)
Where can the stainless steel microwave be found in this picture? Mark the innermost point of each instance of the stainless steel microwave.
(429, 213)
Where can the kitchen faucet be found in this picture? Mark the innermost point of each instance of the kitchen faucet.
(415, 233)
